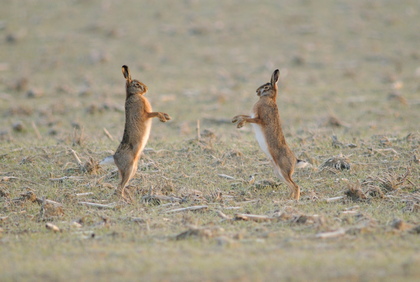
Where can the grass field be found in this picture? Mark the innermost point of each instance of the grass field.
(349, 93)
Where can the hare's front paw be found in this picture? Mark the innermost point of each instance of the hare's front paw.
(235, 119)
(164, 117)
(241, 124)
(240, 120)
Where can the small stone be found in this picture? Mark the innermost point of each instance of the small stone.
(18, 126)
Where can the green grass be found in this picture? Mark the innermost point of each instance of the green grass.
(357, 62)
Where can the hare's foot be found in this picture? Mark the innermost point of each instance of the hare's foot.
(124, 195)
(127, 200)
(294, 195)
(164, 117)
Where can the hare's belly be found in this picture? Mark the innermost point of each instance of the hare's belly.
(259, 134)
(146, 135)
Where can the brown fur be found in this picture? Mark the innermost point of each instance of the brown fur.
(265, 115)
(138, 114)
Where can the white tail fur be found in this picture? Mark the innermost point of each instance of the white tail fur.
(108, 161)
(301, 164)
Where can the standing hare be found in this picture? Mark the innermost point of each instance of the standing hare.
(138, 114)
(265, 119)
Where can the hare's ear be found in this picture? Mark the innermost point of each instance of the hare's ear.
(275, 78)
(126, 72)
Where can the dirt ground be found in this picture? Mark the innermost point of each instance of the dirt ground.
(210, 208)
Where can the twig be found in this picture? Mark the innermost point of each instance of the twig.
(349, 212)
(248, 202)
(108, 134)
(193, 208)
(46, 201)
(198, 130)
(226, 176)
(334, 199)
(333, 234)
(253, 217)
(222, 215)
(38, 135)
(168, 205)
(84, 194)
(79, 162)
(379, 151)
(101, 206)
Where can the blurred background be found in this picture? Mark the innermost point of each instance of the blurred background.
(351, 67)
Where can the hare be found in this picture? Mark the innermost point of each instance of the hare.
(265, 120)
(138, 115)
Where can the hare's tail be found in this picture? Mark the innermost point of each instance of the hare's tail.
(301, 164)
(108, 161)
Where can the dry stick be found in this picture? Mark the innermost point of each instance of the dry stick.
(253, 217)
(108, 134)
(193, 208)
(326, 235)
(198, 130)
(38, 135)
(352, 208)
(168, 205)
(101, 206)
(79, 162)
(334, 199)
(349, 212)
(54, 203)
(222, 215)
(84, 194)
(162, 198)
(226, 176)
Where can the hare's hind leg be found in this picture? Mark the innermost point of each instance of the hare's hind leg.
(127, 171)
(294, 188)
(125, 177)
(287, 178)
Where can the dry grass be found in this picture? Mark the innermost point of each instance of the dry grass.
(210, 207)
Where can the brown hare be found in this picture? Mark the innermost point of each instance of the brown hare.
(138, 114)
(265, 120)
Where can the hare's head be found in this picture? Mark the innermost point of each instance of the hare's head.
(133, 86)
(270, 88)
